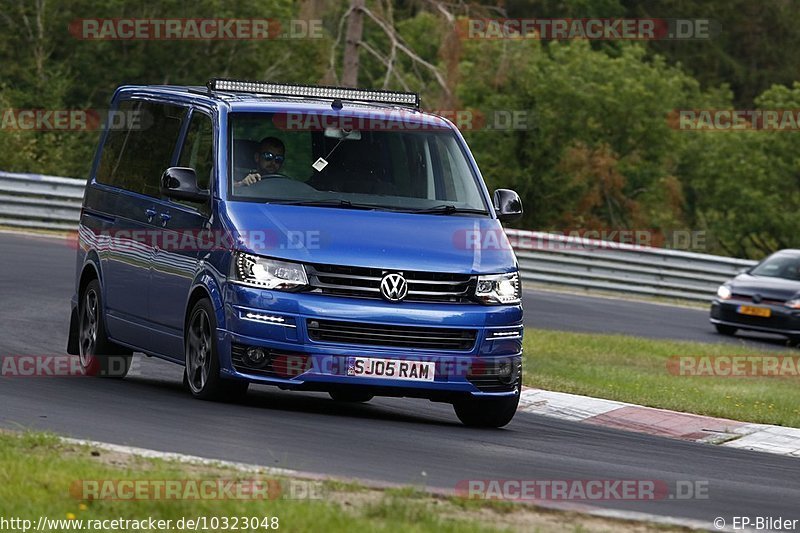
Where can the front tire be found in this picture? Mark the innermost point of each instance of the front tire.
(98, 355)
(486, 412)
(202, 371)
(725, 330)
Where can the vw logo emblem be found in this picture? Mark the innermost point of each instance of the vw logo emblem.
(394, 287)
(757, 298)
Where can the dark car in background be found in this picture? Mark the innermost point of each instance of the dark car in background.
(764, 298)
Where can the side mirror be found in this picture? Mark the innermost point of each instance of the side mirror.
(180, 183)
(507, 205)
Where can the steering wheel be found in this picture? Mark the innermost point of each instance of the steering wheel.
(273, 176)
(270, 176)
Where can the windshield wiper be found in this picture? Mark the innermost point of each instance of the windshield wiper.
(343, 204)
(448, 210)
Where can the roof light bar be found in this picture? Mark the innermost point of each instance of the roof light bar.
(315, 91)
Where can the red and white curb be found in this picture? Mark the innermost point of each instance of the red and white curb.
(661, 422)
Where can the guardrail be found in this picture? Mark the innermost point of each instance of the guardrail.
(576, 262)
(36, 201)
(48, 202)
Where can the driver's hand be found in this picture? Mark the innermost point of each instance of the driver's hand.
(250, 179)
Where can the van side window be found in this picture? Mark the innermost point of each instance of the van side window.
(135, 155)
(198, 148)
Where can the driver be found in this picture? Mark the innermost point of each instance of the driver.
(269, 158)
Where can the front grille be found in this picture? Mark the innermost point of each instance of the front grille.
(748, 298)
(399, 336)
(361, 282)
(488, 378)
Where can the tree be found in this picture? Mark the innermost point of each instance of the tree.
(587, 110)
(745, 185)
(45, 66)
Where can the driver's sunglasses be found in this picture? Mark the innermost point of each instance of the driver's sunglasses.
(269, 156)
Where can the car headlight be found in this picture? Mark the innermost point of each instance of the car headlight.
(724, 292)
(499, 289)
(794, 303)
(268, 273)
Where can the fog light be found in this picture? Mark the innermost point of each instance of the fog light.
(256, 357)
(504, 370)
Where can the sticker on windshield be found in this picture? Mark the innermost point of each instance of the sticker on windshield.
(319, 164)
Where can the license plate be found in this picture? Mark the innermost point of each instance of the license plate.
(755, 311)
(370, 367)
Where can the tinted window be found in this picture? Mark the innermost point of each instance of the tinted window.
(135, 156)
(785, 266)
(198, 149)
(384, 164)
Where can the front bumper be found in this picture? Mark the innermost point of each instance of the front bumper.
(278, 322)
(782, 320)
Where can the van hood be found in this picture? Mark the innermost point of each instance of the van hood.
(375, 239)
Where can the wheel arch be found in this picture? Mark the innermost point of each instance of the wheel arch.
(89, 272)
(205, 286)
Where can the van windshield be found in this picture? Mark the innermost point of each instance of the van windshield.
(359, 163)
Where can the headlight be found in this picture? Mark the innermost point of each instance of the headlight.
(499, 289)
(268, 273)
(724, 292)
(794, 303)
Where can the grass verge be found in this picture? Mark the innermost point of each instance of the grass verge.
(632, 369)
(38, 473)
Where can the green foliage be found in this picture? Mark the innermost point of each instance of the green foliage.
(598, 150)
(745, 185)
(752, 47)
(46, 66)
(595, 149)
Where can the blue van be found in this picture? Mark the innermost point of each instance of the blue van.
(312, 238)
